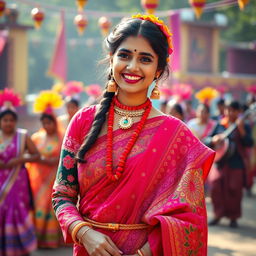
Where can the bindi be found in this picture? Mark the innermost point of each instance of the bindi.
(135, 50)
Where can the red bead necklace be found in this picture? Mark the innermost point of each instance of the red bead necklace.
(116, 174)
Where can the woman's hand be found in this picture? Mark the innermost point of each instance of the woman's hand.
(97, 243)
(2, 165)
(49, 160)
(14, 162)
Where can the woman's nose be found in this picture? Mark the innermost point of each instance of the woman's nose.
(133, 65)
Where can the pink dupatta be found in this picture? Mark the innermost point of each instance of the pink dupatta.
(162, 186)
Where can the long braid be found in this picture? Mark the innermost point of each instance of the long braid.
(97, 124)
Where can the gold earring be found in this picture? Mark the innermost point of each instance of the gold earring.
(155, 94)
(112, 85)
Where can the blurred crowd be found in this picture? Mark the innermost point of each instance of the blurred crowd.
(28, 164)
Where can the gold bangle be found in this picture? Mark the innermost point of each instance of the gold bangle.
(76, 229)
(140, 253)
(84, 232)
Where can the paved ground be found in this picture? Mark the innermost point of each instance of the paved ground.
(223, 241)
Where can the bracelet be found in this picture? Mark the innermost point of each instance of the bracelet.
(84, 232)
(139, 252)
(76, 229)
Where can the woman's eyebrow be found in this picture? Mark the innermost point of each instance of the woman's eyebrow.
(140, 53)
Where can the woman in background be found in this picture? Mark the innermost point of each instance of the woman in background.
(42, 174)
(17, 233)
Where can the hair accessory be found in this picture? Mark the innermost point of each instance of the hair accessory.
(47, 101)
(9, 100)
(93, 90)
(206, 95)
(73, 88)
(160, 23)
(111, 86)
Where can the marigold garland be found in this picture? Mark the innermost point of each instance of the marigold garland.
(160, 23)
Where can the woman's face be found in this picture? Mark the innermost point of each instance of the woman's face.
(49, 126)
(71, 109)
(134, 66)
(202, 113)
(8, 124)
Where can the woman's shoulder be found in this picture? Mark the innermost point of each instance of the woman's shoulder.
(86, 112)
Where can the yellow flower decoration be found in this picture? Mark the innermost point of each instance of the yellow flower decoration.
(206, 95)
(160, 23)
(47, 101)
(58, 87)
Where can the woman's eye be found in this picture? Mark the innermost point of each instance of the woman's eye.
(123, 55)
(145, 59)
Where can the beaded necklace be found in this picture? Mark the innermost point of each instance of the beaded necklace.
(116, 174)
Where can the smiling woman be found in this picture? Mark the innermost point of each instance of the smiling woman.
(133, 168)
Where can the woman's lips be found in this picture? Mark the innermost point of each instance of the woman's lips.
(131, 79)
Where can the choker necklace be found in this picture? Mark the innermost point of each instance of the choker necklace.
(127, 112)
(126, 121)
(114, 175)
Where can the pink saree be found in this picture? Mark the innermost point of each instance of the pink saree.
(162, 186)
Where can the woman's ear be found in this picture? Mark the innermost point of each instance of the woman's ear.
(158, 73)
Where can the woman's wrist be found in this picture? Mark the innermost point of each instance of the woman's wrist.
(82, 232)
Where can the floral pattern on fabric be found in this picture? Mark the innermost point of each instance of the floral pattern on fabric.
(68, 162)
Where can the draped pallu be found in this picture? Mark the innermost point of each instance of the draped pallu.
(162, 186)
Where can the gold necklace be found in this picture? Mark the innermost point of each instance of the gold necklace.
(126, 121)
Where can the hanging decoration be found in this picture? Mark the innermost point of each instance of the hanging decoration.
(198, 6)
(242, 3)
(81, 4)
(104, 24)
(81, 23)
(2, 7)
(38, 17)
(150, 5)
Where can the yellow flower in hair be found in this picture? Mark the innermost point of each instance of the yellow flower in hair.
(206, 95)
(160, 23)
(47, 101)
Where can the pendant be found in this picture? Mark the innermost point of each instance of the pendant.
(125, 122)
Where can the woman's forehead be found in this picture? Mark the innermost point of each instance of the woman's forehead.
(138, 43)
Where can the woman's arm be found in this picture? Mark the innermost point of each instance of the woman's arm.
(31, 154)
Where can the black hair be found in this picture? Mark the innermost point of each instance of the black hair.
(48, 116)
(234, 105)
(9, 112)
(177, 107)
(221, 102)
(73, 101)
(125, 29)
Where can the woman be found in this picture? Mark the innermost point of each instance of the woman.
(202, 126)
(153, 199)
(228, 179)
(72, 106)
(17, 234)
(42, 174)
(176, 111)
